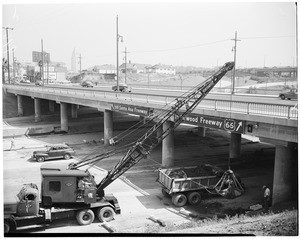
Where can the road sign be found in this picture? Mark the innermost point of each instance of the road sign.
(37, 56)
(232, 125)
(143, 111)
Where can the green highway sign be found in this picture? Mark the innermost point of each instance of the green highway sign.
(232, 125)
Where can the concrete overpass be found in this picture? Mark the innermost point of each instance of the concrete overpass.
(272, 123)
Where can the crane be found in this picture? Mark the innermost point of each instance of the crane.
(183, 105)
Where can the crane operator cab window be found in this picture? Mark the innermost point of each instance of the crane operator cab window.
(84, 183)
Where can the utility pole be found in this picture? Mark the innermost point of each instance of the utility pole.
(14, 75)
(234, 67)
(125, 63)
(7, 28)
(80, 65)
(297, 39)
(42, 68)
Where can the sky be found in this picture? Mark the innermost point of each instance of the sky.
(175, 33)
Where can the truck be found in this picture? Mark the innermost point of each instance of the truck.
(60, 192)
(61, 197)
(187, 184)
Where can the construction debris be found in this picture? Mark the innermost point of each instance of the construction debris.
(157, 220)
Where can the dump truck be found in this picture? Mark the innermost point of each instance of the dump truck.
(187, 184)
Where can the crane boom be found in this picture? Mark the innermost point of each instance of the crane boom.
(176, 114)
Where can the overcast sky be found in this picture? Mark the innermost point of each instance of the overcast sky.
(175, 33)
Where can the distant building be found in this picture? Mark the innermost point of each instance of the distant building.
(73, 61)
(162, 69)
(104, 69)
(134, 67)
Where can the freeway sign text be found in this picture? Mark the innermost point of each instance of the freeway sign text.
(232, 125)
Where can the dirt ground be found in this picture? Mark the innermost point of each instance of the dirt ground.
(137, 190)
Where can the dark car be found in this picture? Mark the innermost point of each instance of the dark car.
(87, 84)
(56, 151)
(290, 94)
(122, 87)
(39, 83)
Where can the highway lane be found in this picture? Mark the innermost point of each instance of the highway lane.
(255, 98)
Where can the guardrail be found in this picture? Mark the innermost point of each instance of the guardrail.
(251, 108)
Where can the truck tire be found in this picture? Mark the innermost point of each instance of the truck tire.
(85, 217)
(40, 159)
(105, 214)
(194, 198)
(282, 97)
(163, 191)
(6, 226)
(10, 225)
(67, 156)
(179, 199)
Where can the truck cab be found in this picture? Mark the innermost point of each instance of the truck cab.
(61, 186)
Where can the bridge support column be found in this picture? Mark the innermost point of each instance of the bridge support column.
(168, 146)
(64, 116)
(51, 106)
(20, 105)
(37, 110)
(201, 131)
(74, 111)
(285, 183)
(108, 126)
(235, 145)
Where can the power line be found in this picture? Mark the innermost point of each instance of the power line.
(267, 37)
(179, 48)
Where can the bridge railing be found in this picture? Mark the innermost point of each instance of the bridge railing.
(251, 108)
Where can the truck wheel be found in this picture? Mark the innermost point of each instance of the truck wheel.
(282, 97)
(6, 227)
(10, 225)
(163, 191)
(194, 198)
(105, 214)
(85, 217)
(67, 156)
(179, 200)
(40, 159)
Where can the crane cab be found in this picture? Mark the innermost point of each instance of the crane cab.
(61, 186)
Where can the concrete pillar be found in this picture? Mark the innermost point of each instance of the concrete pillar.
(108, 126)
(235, 145)
(74, 111)
(20, 105)
(64, 116)
(37, 110)
(168, 146)
(51, 106)
(285, 183)
(201, 131)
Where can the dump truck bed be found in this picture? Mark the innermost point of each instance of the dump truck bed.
(193, 178)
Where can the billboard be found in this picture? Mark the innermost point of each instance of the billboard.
(37, 56)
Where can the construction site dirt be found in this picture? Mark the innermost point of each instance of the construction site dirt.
(138, 192)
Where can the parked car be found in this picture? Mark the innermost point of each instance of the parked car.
(87, 84)
(122, 87)
(290, 94)
(39, 83)
(25, 81)
(55, 151)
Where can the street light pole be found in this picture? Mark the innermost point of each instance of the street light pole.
(7, 28)
(118, 37)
